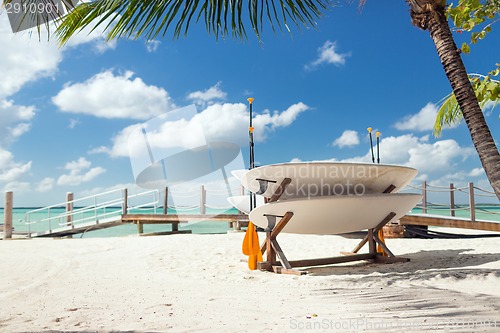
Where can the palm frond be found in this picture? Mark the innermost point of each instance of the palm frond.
(487, 92)
(153, 18)
(448, 114)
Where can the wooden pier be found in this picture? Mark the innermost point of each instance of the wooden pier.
(235, 221)
(448, 222)
(451, 221)
(70, 230)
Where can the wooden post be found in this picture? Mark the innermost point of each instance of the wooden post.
(472, 204)
(69, 208)
(452, 199)
(424, 197)
(140, 228)
(203, 200)
(271, 255)
(242, 192)
(8, 206)
(165, 202)
(125, 202)
(372, 246)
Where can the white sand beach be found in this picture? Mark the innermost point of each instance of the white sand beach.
(192, 283)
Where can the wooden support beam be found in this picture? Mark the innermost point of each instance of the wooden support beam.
(170, 218)
(271, 256)
(452, 199)
(375, 230)
(165, 201)
(282, 270)
(281, 224)
(125, 201)
(372, 248)
(361, 244)
(69, 208)
(472, 203)
(424, 197)
(331, 260)
(277, 249)
(280, 190)
(382, 245)
(386, 220)
(163, 233)
(8, 209)
(203, 200)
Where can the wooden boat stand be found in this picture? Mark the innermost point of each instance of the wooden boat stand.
(285, 266)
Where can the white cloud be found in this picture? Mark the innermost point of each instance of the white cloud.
(11, 170)
(95, 37)
(349, 138)
(220, 122)
(45, 185)
(17, 187)
(422, 121)
(419, 153)
(14, 120)
(73, 122)
(440, 155)
(99, 150)
(459, 178)
(152, 45)
(80, 171)
(489, 106)
(206, 96)
(131, 187)
(277, 119)
(26, 57)
(476, 172)
(107, 95)
(327, 54)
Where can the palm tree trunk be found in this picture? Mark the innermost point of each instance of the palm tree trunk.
(430, 15)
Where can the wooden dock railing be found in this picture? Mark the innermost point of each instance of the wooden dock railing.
(471, 191)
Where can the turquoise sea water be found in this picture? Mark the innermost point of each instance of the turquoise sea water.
(197, 227)
(483, 212)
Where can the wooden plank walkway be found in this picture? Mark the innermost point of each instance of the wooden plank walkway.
(80, 228)
(449, 222)
(235, 221)
(141, 219)
(179, 218)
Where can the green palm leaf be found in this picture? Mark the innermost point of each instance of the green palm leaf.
(487, 93)
(153, 18)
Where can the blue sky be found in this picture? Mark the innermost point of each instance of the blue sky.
(65, 112)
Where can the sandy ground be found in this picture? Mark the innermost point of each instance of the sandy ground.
(201, 283)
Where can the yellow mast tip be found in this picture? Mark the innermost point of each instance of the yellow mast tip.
(250, 100)
(369, 129)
